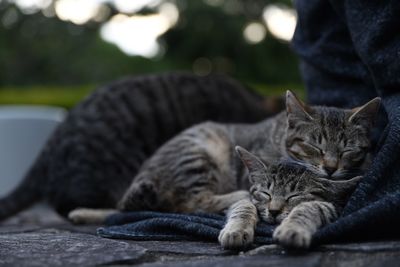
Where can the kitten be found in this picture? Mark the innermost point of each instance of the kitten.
(198, 170)
(285, 193)
(91, 158)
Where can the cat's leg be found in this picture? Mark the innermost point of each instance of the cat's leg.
(90, 216)
(238, 231)
(297, 229)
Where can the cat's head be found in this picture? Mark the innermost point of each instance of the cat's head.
(277, 188)
(330, 141)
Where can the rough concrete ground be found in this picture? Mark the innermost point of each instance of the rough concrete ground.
(38, 237)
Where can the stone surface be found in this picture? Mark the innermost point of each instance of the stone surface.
(52, 247)
(39, 237)
(312, 259)
(185, 248)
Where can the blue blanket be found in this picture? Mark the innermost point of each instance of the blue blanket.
(350, 52)
(148, 225)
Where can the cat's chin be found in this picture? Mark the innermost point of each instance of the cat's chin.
(319, 172)
(336, 176)
(345, 175)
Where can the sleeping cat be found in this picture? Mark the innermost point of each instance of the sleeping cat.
(198, 170)
(91, 158)
(288, 194)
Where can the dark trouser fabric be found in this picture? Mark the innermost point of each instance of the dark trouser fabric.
(350, 52)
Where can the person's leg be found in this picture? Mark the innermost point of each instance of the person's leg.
(332, 71)
(374, 31)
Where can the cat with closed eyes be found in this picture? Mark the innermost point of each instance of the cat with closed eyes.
(198, 170)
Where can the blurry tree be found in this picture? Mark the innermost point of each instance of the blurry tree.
(211, 34)
(40, 50)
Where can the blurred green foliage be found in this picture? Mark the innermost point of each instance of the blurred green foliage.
(63, 96)
(38, 52)
(68, 96)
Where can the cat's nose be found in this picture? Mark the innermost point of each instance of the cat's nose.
(274, 213)
(329, 170)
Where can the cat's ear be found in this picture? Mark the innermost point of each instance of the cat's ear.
(296, 108)
(366, 114)
(255, 166)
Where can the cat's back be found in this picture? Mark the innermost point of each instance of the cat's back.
(129, 119)
(265, 138)
(156, 107)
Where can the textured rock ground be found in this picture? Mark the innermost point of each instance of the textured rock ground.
(39, 237)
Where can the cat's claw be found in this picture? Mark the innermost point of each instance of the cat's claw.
(236, 237)
(292, 236)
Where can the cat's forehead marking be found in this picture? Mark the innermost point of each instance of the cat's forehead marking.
(330, 126)
(288, 176)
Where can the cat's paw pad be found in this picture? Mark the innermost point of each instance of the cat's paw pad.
(292, 236)
(236, 237)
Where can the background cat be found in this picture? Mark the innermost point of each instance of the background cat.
(92, 157)
(288, 194)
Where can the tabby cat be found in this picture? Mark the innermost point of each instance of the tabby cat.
(91, 158)
(198, 170)
(284, 193)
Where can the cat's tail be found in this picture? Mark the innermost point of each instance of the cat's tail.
(27, 193)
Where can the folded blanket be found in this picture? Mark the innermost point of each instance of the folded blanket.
(148, 225)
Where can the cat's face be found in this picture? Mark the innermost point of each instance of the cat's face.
(332, 142)
(277, 189)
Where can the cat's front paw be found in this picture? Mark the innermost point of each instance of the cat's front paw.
(233, 237)
(292, 236)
